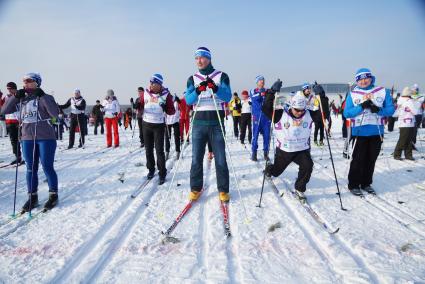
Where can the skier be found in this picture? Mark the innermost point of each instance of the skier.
(111, 109)
(246, 117)
(292, 136)
(12, 125)
(172, 124)
(419, 109)
(156, 102)
(185, 111)
(78, 119)
(206, 86)
(235, 107)
(138, 106)
(323, 114)
(97, 114)
(128, 117)
(406, 113)
(261, 124)
(38, 137)
(366, 106)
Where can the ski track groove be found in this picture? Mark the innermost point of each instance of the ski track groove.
(74, 189)
(384, 208)
(125, 230)
(317, 244)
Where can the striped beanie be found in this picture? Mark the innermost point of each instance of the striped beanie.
(259, 78)
(203, 52)
(364, 73)
(157, 78)
(305, 86)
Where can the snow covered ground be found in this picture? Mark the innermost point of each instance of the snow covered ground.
(99, 234)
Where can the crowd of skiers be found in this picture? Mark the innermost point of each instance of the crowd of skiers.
(35, 121)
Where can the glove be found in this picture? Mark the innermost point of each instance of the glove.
(202, 87)
(276, 86)
(212, 85)
(54, 120)
(20, 94)
(131, 100)
(250, 103)
(365, 104)
(115, 113)
(177, 100)
(374, 108)
(39, 92)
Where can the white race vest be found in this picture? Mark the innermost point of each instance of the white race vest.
(153, 112)
(293, 134)
(366, 117)
(206, 101)
(406, 112)
(174, 118)
(310, 103)
(29, 112)
(246, 107)
(74, 103)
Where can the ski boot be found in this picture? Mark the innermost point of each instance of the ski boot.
(369, 189)
(398, 158)
(301, 196)
(194, 195)
(151, 174)
(254, 156)
(161, 180)
(142, 145)
(321, 143)
(224, 196)
(356, 191)
(33, 199)
(410, 158)
(52, 201)
(315, 143)
(266, 156)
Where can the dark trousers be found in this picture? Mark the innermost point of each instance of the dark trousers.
(153, 134)
(236, 123)
(417, 125)
(391, 122)
(99, 121)
(14, 139)
(77, 120)
(303, 159)
(344, 127)
(405, 141)
(246, 123)
(176, 129)
(140, 123)
(318, 125)
(365, 153)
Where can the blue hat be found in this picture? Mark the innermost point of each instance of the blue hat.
(259, 78)
(35, 77)
(203, 52)
(305, 86)
(364, 73)
(157, 78)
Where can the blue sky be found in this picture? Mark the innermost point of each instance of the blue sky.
(95, 45)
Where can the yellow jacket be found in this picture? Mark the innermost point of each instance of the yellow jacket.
(232, 105)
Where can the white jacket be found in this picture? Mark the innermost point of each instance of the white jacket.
(110, 107)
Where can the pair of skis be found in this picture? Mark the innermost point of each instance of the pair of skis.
(224, 207)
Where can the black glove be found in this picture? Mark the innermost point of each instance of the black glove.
(250, 103)
(39, 92)
(177, 99)
(276, 86)
(365, 104)
(212, 85)
(20, 94)
(202, 87)
(374, 108)
(131, 100)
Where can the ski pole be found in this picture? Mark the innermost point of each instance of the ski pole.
(267, 161)
(330, 153)
(17, 151)
(228, 151)
(37, 100)
(175, 170)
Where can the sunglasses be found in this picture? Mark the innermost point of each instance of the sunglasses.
(298, 110)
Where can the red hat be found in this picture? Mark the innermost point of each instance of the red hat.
(245, 94)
